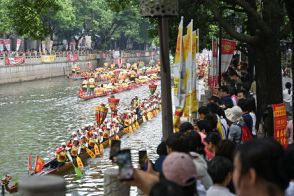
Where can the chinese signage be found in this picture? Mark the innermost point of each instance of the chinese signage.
(280, 124)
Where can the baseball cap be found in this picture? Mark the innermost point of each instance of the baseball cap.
(179, 168)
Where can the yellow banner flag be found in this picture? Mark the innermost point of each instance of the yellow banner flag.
(178, 62)
(79, 162)
(189, 69)
(90, 153)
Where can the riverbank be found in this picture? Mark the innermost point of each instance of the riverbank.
(30, 72)
(21, 73)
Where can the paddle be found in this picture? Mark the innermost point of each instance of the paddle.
(90, 153)
(77, 170)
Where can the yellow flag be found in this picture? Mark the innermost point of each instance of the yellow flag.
(189, 69)
(97, 151)
(90, 152)
(178, 62)
(79, 162)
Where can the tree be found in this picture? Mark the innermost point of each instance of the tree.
(27, 16)
(5, 23)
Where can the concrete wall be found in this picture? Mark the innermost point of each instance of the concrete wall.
(19, 73)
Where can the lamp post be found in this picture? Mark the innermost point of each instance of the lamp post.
(162, 9)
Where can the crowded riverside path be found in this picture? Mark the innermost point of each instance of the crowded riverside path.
(37, 116)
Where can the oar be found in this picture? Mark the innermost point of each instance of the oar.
(77, 170)
(90, 153)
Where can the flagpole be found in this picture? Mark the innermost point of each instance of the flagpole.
(191, 72)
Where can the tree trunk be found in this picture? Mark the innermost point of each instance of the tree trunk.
(268, 61)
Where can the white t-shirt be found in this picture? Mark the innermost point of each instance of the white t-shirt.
(286, 96)
(216, 190)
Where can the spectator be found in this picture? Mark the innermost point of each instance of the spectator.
(226, 100)
(258, 169)
(186, 126)
(202, 111)
(196, 149)
(287, 97)
(212, 139)
(175, 143)
(234, 116)
(289, 167)
(244, 105)
(165, 187)
(220, 170)
(180, 169)
(162, 152)
(215, 122)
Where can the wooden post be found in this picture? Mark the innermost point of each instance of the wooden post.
(166, 102)
(42, 185)
(113, 186)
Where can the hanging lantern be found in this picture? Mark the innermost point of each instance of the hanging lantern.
(101, 113)
(113, 103)
(152, 88)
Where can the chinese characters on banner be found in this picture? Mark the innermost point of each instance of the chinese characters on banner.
(228, 49)
(280, 124)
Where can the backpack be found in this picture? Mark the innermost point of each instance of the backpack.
(245, 133)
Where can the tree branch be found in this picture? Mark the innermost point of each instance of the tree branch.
(229, 29)
(252, 12)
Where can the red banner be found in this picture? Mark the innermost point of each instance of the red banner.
(14, 60)
(280, 124)
(228, 46)
(72, 57)
(39, 164)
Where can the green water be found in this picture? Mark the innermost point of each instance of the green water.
(35, 117)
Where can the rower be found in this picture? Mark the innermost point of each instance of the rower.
(60, 154)
(75, 147)
(83, 143)
(92, 142)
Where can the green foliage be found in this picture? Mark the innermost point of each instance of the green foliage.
(27, 16)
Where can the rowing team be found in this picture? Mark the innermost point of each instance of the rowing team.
(90, 87)
(92, 136)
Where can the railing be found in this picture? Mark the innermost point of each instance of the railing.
(34, 57)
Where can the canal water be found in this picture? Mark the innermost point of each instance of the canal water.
(35, 117)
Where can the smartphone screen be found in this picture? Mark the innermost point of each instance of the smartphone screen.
(124, 162)
(114, 150)
(142, 160)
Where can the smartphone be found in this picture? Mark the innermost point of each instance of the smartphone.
(114, 150)
(124, 161)
(143, 160)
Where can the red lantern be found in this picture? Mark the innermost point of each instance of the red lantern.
(101, 113)
(152, 88)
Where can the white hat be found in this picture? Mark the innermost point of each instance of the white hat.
(75, 139)
(63, 144)
(74, 133)
(234, 114)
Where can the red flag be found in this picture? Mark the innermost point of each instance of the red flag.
(30, 166)
(39, 164)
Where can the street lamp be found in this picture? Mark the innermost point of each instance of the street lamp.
(162, 9)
